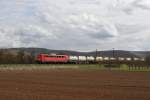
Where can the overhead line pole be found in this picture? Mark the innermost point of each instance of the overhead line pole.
(95, 55)
(113, 52)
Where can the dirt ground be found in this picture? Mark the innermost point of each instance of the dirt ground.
(74, 84)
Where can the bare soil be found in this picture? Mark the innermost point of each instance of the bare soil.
(74, 84)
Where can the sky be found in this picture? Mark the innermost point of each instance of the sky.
(75, 24)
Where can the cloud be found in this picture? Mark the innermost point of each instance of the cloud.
(75, 24)
(143, 4)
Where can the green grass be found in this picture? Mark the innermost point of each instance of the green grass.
(132, 69)
(69, 66)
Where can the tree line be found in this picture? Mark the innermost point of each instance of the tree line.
(19, 57)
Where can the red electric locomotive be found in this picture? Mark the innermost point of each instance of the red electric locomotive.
(45, 58)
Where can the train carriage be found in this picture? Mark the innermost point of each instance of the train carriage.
(45, 58)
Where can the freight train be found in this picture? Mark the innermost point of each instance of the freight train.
(53, 58)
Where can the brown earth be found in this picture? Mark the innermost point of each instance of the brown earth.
(74, 84)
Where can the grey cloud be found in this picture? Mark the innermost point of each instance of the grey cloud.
(27, 37)
(74, 24)
(133, 6)
(139, 4)
(129, 29)
(128, 11)
(102, 34)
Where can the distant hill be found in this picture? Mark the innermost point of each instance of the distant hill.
(141, 53)
(117, 53)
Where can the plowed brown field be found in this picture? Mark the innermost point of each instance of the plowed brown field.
(74, 84)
